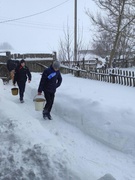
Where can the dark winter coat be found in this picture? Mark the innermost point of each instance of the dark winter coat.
(21, 74)
(50, 80)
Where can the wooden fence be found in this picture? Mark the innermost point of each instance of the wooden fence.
(115, 76)
(35, 67)
(122, 63)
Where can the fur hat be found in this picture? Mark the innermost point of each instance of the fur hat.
(56, 64)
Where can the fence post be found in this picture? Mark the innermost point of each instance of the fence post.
(133, 75)
(83, 62)
(113, 76)
(127, 78)
(130, 79)
(54, 55)
(121, 77)
(77, 73)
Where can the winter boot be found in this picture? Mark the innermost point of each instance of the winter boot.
(45, 114)
(21, 100)
(49, 116)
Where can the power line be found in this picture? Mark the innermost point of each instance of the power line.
(24, 17)
(37, 25)
(40, 25)
(52, 27)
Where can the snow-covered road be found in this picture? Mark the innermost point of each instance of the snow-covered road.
(71, 146)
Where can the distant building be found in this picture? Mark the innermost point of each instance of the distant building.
(90, 57)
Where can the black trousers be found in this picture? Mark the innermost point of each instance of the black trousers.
(21, 86)
(49, 101)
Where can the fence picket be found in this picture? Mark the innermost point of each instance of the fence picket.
(121, 77)
(133, 75)
(130, 79)
(127, 78)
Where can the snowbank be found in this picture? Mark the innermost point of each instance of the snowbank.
(108, 123)
(98, 122)
(113, 125)
(27, 150)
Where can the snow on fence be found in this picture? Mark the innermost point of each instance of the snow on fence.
(115, 76)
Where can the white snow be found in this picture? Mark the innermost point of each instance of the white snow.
(36, 59)
(92, 132)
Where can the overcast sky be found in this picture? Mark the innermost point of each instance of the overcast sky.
(41, 32)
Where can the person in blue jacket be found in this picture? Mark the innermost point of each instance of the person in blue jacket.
(51, 79)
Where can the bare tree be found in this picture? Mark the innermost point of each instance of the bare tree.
(126, 44)
(120, 15)
(66, 51)
(82, 48)
(102, 44)
(66, 47)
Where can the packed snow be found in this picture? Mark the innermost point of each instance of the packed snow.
(92, 132)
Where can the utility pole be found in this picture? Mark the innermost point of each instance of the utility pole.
(75, 30)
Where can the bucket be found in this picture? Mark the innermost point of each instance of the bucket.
(14, 91)
(39, 104)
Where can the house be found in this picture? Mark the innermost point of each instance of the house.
(91, 61)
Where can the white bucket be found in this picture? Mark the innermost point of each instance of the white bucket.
(39, 104)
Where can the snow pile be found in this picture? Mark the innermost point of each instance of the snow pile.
(98, 122)
(110, 124)
(23, 154)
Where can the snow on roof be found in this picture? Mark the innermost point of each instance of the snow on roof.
(90, 56)
(36, 59)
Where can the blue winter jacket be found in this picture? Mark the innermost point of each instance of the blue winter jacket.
(50, 80)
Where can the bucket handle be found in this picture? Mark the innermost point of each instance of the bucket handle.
(40, 96)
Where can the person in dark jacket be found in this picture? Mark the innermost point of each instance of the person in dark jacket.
(21, 74)
(51, 79)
